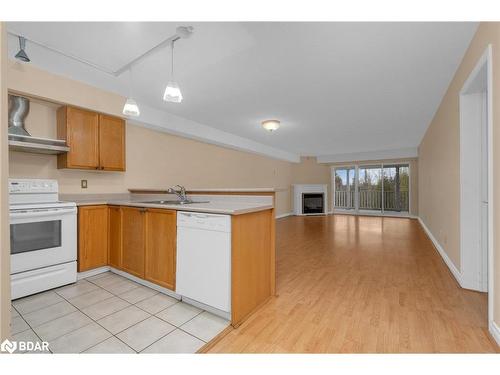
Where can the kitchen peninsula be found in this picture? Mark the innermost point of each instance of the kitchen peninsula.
(137, 236)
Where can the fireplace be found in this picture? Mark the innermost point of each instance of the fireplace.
(313, 203)
(310, 199)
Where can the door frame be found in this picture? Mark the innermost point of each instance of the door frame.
(486, 59)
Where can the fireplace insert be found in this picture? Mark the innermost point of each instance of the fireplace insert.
(313, 203)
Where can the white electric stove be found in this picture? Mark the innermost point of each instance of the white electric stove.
(43, 237)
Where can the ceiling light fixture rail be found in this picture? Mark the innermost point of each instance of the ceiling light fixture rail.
(181, 32)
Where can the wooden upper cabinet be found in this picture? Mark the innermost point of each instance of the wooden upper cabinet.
(161, 232)
(92, 237)
(111, 143)
(133, 240)
(96, 141)
(80, 129)
(115, 237)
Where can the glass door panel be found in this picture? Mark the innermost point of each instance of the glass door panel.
(396, 188)
(370, 188)
(345, 180)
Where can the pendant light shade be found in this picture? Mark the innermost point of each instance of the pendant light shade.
(131, 108)
(22, 55)
(271, 125)
(172, 93)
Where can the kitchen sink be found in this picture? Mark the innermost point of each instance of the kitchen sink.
(174, 202)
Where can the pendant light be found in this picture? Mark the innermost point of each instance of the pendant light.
(172, 91)
(131, 108)
(271, 125)
(22, 55)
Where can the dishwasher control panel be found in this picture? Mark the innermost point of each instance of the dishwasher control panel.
(199, 220)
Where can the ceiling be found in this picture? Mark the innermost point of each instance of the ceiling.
(336, 87)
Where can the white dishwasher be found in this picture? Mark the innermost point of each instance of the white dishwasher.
(204, 258)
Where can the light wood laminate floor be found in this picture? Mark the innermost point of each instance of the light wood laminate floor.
(350, 284)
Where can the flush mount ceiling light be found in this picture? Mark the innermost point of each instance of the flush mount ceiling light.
(271, 125)
(131, 108)
(22, 55)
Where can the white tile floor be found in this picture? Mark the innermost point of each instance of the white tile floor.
(108, 313)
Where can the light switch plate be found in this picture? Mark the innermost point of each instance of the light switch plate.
(84, 184)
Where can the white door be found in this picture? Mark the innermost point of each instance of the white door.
(483, 274)
(474, 190)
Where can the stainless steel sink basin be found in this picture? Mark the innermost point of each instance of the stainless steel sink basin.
(174, 202)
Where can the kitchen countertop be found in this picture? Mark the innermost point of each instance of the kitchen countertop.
(212, 190)
(217, 206)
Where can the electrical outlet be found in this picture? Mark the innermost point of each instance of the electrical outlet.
(84, 184)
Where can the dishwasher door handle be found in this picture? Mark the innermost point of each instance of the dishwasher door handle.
(200, 216)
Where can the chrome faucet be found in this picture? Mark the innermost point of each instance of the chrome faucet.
(180, 192)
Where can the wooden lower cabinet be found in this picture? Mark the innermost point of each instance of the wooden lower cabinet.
(115, 237)
(160, 250)
(133, 240)
(139, 241)
(252, 263)
(92, 237)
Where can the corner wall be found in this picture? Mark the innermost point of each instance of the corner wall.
(439, 158)
(4, 199)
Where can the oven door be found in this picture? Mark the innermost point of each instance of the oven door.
(42, 237)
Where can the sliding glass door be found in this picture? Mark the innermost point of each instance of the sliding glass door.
(396, 188)
(345, 188)
(383, 188)
(370, 188)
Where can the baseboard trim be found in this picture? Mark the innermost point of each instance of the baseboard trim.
(371, 214)
(284, 215)
(495, 332)
(93, 272)
(453, 269)
(209, 345)
(223, 314)
(146, 283)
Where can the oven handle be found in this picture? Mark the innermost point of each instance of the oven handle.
(42, 213)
